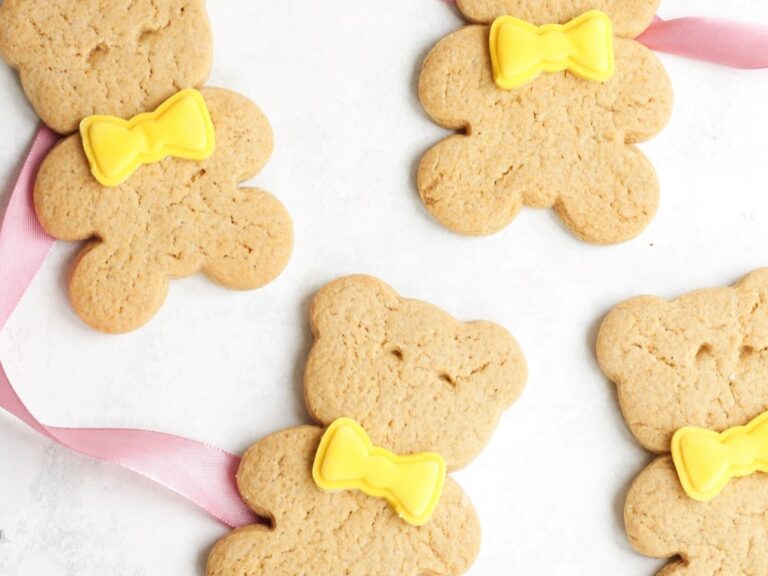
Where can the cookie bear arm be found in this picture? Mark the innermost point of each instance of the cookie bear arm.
(250, 234)
(453, 84)
(244, 137)
(251, 240)
(727, 535)
(630, 17)
(656, 513)
(66, 196)
(642, 104)
(275, 475)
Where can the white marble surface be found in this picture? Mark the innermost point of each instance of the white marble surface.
(337, 80)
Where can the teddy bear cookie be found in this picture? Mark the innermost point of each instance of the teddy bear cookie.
(550, 99)
(692, 377)
(152, 178)
(402, 394)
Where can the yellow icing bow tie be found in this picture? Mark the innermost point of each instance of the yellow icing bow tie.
(348, 460)
(521, 51)
(707, 461)
(181, 127)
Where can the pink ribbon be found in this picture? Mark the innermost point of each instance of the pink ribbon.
(199, 472)
(23, 242)
(722, 42)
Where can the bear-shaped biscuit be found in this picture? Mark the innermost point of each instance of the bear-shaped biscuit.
(347, 533)
(699, 361)
(419, 381)
(559, 141)
(168, 220)
(121, 57)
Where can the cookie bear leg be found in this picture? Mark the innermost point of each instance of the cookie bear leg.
(251, 242)
(616, 199)
(116, 289)
(461, 188)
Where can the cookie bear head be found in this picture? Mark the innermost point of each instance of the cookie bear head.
(549, 139)
(318, 532)
(417, 379)
(701, 360)
(630, 17)
(122, 57)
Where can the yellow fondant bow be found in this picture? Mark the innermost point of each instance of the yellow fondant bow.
(348, 460)
(181, 127)
(707, 461)
(521, 51)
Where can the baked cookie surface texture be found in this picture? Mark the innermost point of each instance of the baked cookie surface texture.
(151, 181)
(401, 393)
(692, 378)
(549, 99)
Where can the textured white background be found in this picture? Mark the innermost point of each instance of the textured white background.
(337, 80)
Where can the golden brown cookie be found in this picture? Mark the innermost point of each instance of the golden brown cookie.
(168, 220)
(120, 57)
(371, 344)
(702, 361)
(418, 381)
(557, 142)
(334, 534)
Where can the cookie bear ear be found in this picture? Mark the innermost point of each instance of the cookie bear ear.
(630, 17)
(417, 379)
(242, 131)
(697, 361)
(352, 305)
